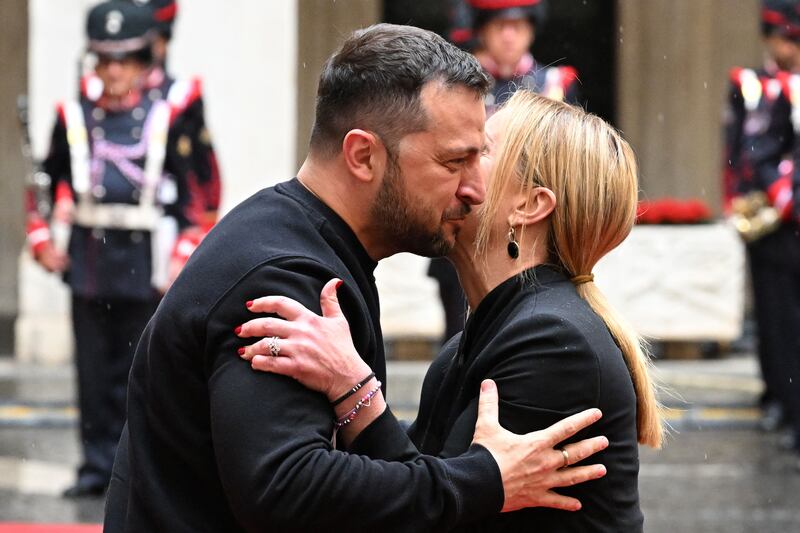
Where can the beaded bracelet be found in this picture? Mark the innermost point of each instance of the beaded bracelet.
(366, 401)
(352, 391)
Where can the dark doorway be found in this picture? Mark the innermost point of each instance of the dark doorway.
(580, 33)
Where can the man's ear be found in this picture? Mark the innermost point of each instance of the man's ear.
(364, 154)
(532, 207)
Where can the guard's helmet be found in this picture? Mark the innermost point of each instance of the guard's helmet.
(164, 13)
(120, 29)
(782, 18)
(487, 10)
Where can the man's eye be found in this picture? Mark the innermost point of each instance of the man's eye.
(455, 165)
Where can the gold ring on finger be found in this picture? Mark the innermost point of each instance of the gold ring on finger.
(566, 457)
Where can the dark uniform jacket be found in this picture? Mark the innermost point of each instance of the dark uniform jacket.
(758, 132)
(115, 263)
(193, 141)
(551, 356)
(216, 446)
(556, 82)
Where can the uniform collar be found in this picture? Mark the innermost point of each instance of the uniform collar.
(128, 102)
(525, 65)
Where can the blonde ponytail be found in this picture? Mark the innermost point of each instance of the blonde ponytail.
(592, 171)
(649, 427)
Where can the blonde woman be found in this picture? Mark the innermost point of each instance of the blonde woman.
(561, 193)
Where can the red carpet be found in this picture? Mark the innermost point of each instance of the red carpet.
(51, 528)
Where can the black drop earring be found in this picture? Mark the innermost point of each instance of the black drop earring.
(513, 245)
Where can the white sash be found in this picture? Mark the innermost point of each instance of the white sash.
(147, 215)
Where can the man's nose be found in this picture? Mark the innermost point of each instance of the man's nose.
(472, 189)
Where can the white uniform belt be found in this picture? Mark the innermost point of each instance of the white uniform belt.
(118, 216)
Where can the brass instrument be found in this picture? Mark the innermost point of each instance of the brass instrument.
(753, 216)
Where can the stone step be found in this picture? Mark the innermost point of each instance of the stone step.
(695, 393)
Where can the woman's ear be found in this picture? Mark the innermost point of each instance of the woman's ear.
(532, 207)
(363, 154)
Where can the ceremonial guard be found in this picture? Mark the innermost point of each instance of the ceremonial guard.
(785, 200)
(502, 32)
(505, 31)
(119, 184)
(194, 140)
(761, 131)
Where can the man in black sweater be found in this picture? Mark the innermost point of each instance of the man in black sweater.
(213, 446)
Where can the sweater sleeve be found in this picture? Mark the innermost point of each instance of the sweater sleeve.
(382, 438)
(177, 166)
(272, 439)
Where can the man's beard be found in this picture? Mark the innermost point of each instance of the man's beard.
(403, 221)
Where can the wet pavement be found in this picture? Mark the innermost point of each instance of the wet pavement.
(720, 480)
(717, 472)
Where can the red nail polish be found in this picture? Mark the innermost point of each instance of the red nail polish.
(339, 284)
(241, 351)
(238, 330)
(249, 304)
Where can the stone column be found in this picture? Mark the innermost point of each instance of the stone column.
(13, 82)
(321, 27)
(673, 57)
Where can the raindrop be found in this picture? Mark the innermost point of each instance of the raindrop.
(661, 117)
(705, 85)
(104, 240)
(665, 57)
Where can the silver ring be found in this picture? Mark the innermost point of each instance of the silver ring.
(274, 347)
(566, 457)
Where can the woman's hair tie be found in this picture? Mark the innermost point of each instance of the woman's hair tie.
(583, 278)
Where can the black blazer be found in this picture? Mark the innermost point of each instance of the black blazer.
(551, 356)
(215, 446)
